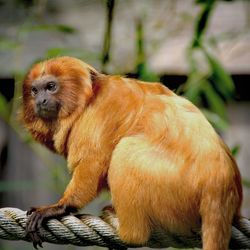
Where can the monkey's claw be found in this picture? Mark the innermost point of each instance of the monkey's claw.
(36, 240)
(34, 225)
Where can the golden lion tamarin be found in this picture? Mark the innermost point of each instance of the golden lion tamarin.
(164, 164)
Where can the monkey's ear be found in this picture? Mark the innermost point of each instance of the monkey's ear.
(93, 75)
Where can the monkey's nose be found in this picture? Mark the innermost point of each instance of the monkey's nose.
(42, 102)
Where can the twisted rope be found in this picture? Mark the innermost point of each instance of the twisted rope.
(87, 230)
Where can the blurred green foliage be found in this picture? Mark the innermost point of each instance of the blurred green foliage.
(208, 86)
(207, 79)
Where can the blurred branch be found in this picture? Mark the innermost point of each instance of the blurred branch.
(108, 33)
(140, 59)
(142, 70)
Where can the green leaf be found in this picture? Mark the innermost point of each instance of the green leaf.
(53, 52)
(246, 183)
(218, 122)
(49, 27)
(192, 87)
(65, 28)
(201, 23)
(220, 77)
(215, 102)
(4, 108)
(235, 150)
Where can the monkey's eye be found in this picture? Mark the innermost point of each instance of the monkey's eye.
(34, 91)
(51, 86)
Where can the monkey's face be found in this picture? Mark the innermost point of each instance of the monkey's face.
(43, 91)
(55, 89)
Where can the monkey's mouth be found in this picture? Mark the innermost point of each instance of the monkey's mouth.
(47, 113)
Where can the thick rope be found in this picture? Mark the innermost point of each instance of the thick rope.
(87, 230)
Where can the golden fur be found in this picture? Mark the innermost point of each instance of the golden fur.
(164, 164)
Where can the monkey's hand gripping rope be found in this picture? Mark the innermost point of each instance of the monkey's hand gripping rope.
(87, 230)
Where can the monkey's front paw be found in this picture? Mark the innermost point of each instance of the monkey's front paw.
(37, 216)
(34, 224)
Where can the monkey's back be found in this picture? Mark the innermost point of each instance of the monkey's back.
(173, 160)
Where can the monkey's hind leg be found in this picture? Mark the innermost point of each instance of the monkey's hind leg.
(129, 191)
